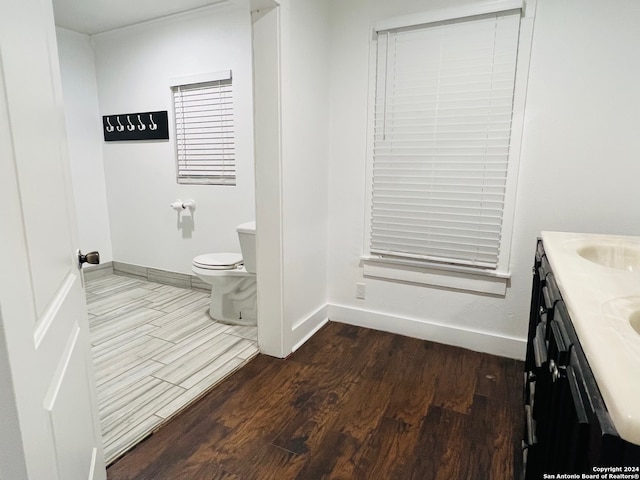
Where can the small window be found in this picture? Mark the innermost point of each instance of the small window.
(205, 141)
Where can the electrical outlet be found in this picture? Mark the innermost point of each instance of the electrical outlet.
(361, 290)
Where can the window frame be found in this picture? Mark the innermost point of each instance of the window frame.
(475, 279)
(186, 81)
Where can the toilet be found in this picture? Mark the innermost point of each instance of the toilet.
(232, 277)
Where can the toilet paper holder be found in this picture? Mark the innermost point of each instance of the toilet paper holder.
(179, 205)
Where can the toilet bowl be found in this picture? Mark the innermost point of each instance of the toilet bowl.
(232, 279)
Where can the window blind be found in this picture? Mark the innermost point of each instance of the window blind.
(205, 143)
(442, 127)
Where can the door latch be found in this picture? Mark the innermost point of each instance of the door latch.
(92, 257)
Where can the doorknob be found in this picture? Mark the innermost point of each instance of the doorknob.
(91, 257)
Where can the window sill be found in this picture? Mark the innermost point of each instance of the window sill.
(231, 182)
(447, 276)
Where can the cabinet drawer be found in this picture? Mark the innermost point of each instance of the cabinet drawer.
(561, 315)
(545, 266)
(539, 251)
(540, 347)
(546, 297)
(559, 345)
(550, 297)
(552, 287)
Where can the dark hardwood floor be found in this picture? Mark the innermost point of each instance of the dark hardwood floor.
(351, 403)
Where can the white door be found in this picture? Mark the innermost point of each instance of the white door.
(49, 427)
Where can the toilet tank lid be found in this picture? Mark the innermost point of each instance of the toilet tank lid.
(249, 227)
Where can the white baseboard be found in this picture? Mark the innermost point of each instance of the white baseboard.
(304, 329)
(473, 340)
(93, 272)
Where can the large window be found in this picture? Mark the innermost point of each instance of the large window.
(205, 142)
(442, 133)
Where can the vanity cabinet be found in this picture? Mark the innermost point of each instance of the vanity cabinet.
(567, 426)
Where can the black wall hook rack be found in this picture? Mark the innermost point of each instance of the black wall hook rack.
(136, 126)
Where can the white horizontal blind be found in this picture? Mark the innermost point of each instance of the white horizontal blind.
(442, 126)
(205, 143)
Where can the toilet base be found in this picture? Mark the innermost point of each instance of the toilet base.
(233, 300)
(242, 322)
(233, 295)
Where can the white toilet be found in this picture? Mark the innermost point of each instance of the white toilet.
(232, 277)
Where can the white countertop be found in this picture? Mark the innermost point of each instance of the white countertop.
(600, 300)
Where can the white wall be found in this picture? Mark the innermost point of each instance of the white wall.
(268, 163)
(579, 165)
(134, 66)
(84, 132)
(305, 172)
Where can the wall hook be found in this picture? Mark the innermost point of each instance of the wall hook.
(135, 126)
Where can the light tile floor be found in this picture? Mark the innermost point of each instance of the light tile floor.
(155, 349)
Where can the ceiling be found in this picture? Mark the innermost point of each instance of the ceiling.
(96, 16)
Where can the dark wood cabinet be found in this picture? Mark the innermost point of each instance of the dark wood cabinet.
(567, 426)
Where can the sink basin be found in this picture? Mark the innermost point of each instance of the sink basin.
(622, 256)
(634, 321)
(621, 311)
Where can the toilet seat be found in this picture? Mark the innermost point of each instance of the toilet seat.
(218, 261)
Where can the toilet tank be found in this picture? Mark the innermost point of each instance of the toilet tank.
(247, 237)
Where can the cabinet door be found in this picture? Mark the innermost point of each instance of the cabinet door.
(570, 439)
(549, 394)
(536, 388)
(604, 446)
(536, 294)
